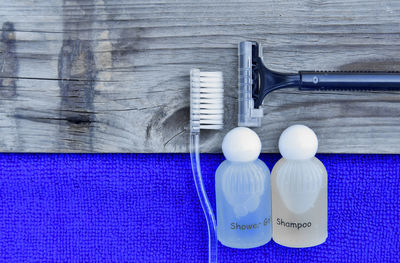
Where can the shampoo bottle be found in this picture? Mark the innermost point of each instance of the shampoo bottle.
(299, 191)
(243, 192)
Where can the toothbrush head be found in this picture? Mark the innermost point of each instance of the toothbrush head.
(206, 100)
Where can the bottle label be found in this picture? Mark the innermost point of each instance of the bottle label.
(295, 225)
(238, 226)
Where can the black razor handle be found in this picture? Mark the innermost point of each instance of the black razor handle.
(339, 80)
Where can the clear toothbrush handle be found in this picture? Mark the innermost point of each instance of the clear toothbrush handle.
(205, 203)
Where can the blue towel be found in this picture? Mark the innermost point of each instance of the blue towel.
(144, 208)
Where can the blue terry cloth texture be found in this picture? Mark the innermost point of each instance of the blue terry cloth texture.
(144, 208)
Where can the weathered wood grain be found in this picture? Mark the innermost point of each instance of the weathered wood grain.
(112, 75)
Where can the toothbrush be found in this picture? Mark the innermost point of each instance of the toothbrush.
(206, 112)
(256, 81)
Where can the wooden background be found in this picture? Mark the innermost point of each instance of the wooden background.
(113, 75)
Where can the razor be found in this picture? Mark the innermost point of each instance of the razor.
(256, 81)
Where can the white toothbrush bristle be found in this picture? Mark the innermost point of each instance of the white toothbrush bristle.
(206, 100)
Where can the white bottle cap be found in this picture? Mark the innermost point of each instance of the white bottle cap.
(241, 145)
(298, 142)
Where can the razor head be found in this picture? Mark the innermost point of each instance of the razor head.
(250, 111)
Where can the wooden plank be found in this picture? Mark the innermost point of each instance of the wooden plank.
(112, 76)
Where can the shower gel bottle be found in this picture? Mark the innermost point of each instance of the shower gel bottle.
(243, 192)
(299, 191)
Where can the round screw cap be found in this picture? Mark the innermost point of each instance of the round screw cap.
(298, 142)
(241, 144)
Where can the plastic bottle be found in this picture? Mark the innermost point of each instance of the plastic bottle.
(299, 191)
(243, 191)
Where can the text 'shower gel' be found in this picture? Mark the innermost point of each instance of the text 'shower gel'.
(242, 185)
(299, 191)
